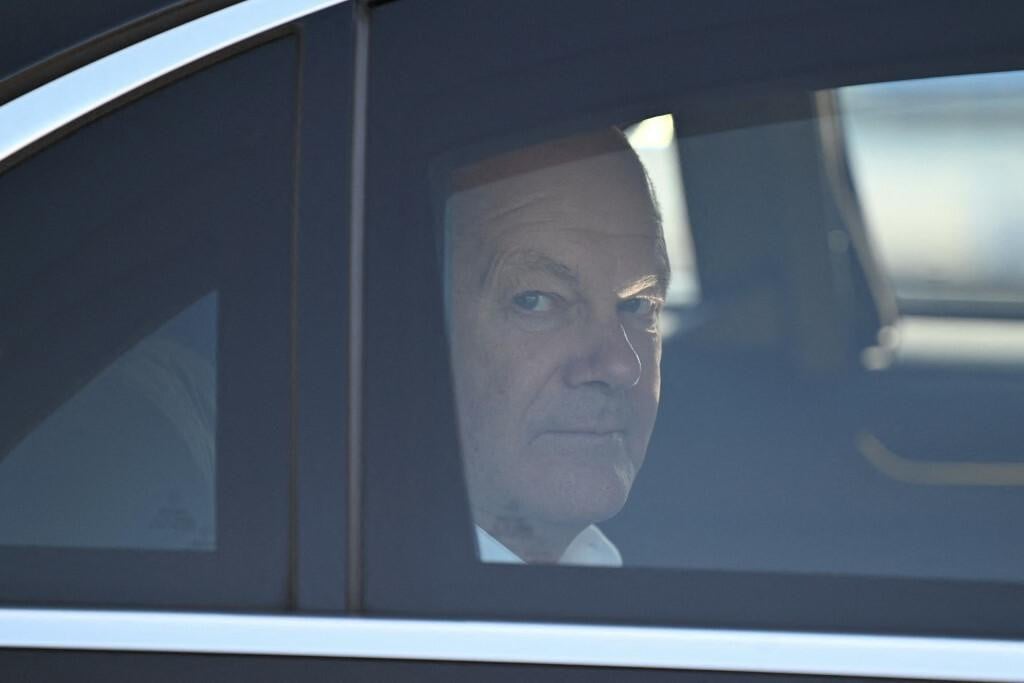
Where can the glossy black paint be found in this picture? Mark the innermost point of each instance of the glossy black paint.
(40, 42)
(60, 666)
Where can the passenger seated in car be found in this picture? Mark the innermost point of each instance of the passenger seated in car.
(558, 271)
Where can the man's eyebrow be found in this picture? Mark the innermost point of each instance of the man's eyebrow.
(656, 281)
(530, 260)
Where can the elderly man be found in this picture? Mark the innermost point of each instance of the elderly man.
(558, 273)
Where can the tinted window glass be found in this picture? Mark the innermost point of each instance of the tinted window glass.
(938, 166)
(809, 463)
(560, 358)
(654, 141)
(129, 460)
(146, 345)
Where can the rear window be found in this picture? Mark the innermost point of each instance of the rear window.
(939, 165)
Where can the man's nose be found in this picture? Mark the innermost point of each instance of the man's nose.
(606, 357)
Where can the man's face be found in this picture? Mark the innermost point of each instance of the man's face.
(558, 276)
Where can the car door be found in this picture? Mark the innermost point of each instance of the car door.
(233, 442)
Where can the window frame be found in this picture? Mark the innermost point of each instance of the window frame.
(811, 47)
(291, 500)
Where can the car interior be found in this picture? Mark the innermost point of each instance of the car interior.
(781, 445)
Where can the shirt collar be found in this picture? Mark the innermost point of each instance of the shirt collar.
(591, 548)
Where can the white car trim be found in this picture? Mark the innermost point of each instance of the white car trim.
(49, 107)
(951, 659)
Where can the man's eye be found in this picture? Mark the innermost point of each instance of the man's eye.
(534, 302)
(639, 306)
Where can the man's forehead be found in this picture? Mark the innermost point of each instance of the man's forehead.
(516, 234)
(552, 154)
(632, 257)
(572, 203)
(542, 238)
(580, 201)
(619, 170)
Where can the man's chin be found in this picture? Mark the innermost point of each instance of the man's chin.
(583, 498)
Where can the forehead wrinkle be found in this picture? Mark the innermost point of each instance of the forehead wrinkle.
(508, 204)
(530, 260)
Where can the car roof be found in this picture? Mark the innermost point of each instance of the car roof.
(42, 40)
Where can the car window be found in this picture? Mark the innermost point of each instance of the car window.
(129, 460)
(145, 344)
(711, 418)
(937, 165)
(654, 141)
(561, 364)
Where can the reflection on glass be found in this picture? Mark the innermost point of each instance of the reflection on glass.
(939, 166)
(129, 460)
(558, 273)
(654, 140)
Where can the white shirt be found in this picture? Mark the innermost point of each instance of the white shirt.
(590, 548)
